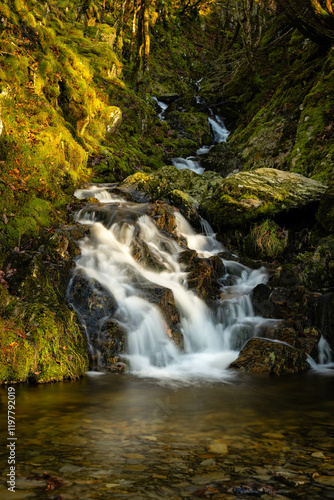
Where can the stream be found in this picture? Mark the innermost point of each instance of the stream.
(180, 424)
(110, 436)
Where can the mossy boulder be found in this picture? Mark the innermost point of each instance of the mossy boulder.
(265, 357)
(264, 192)
(170, 183)
(194, 126)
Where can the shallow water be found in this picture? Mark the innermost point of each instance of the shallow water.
(111, 436)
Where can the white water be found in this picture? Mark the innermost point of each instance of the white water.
(326, 361)
(219, 131)
(163, 106)
(190, 163)
(212, 339)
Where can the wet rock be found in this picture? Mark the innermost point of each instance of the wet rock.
(112, 341)
(90, 299)
(297, 305)
(264, 192)
(265, 357)
(142, 253)
(95, 305)
(203, 274)
(163, 215)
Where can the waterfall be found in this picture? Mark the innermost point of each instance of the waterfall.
(163, 106)
(212, 338)
(219, 131)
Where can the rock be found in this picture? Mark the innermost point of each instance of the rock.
(325, 213)
(163, 215)
(168, 98)
(93, 304)
(264, 192)
(113, 119)
(203, 274)
(218, 447)
(265, 357)
(160, 184)
(236, 201)
(194, 126)
(296, 305)
(49, 344)
(312, 269)
(141, 252)
(111, 342)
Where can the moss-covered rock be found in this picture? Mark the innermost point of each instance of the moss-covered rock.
(265, 357)
(194, 126)
(170, 183)
(264, 192)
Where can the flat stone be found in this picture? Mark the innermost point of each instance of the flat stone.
(325, 480)
(70, 469)
(135, 467)
(134, 456)
(207, 462)
(218, 447)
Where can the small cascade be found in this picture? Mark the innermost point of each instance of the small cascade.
(162, 106)
(190, 163)
(325, 363)
(212, 338)
(219, 131)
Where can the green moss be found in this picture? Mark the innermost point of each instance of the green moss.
(265, 241)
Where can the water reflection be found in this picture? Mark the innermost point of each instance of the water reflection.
(120, 437)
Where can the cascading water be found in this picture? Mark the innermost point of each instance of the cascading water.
(212, 339)
(218, 130)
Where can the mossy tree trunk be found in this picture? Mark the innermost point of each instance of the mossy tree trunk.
(146, 37)
(143, 41)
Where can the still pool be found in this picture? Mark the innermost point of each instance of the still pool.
(111, 436)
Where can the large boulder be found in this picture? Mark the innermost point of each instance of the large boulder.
(236, 201)
(161, 184)
(265, 192)
(267, 357)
